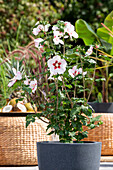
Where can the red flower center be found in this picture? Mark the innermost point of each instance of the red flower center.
(56, 65)
(76, 73)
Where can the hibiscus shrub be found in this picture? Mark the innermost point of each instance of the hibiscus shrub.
(66, 73)
(65, 105)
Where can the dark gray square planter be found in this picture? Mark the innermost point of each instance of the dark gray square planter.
(68, 156)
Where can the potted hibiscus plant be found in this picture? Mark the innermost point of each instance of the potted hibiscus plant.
(64, 108)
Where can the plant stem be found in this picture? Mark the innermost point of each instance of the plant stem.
(42, 94)
(106, 85)
(64, 50)
(56, 84)
(34, 109)
(83, 78)
(92, 81)
(18, 32)
(75, 90)
(64, 84)
(67, 93)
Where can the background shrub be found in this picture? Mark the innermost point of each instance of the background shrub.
(18, 17)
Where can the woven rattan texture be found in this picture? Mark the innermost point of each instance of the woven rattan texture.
(18, 144)
(103, 133)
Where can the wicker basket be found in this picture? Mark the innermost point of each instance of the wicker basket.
(18, 144)
(103, 133)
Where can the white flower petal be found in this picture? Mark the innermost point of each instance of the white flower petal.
(12, 82)
(18, 75)
(74, 71)
(92, 61)
(54, 28)
(33, 85)
(58, 34)
(74, 68)
(50, 77)
(37, 23)
(37, 42)
(61, 42)
(57, 57)
(35, 31)
(75, 35)
(71, 73)
(66, 36)
(89, 51)
(84, 73)
(40, 27)
(14, 71)
(26, 82)
(50, 62)
(59, 78)
(80, 70)
(57, 40)
(46, 27)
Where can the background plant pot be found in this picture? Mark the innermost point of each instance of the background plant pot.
(69, 156)
(102, 107)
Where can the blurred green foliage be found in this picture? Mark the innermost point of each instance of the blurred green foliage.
(25, 12)
(92, 11)
(17, 17)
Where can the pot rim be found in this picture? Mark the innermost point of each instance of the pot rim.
(74, 143)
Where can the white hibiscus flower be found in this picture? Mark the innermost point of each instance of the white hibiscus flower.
(75, 72)
(57, 65)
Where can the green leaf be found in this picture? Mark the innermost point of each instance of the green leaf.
(84, 108)
(91, 79)
(107, 45)
(74, 124)
(29, 119)
(51, 133)
(92, 126)
(69, 86)
(27, 89)
(97, 118)
(16, 85)
(49, 126)
(73, 112)
(85, 32)
(101, 79)
(42, 105)
(21, 99)
(104, 33)
(99, 96)
(61, 133)
(51, 84)
(62, 95)
(53, 89)
(72, 134)
(111, 75)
